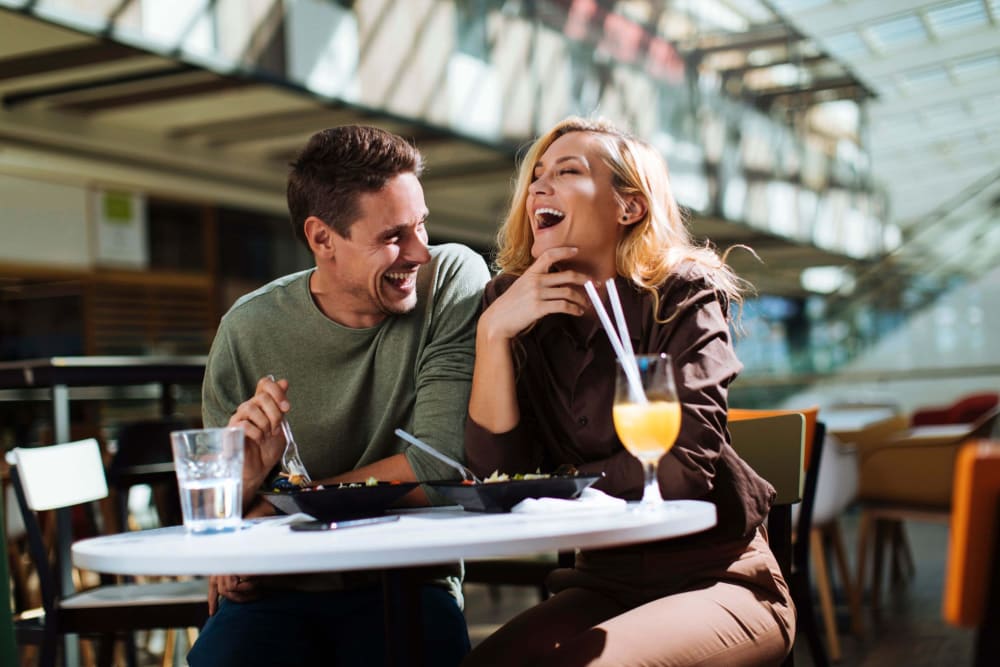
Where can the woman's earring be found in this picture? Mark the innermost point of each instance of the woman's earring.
(625, 218)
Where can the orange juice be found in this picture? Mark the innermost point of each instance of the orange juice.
(649, 430)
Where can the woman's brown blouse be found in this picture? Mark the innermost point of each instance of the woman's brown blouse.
(565, 388)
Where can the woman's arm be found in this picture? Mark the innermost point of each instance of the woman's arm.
(535, 294)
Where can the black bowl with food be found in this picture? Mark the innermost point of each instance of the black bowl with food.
(340, 501)
(502, 495)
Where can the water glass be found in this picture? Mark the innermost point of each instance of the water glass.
(209, 465)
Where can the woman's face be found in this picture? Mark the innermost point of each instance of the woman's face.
(571, 202)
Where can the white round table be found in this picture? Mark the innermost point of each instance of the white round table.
(423, 537)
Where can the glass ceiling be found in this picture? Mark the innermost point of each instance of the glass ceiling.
(933, 129)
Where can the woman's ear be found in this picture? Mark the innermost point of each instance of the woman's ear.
(319, 236)
(634, 210)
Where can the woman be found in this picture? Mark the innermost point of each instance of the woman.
(592, 203)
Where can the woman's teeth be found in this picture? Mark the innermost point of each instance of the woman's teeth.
(548, 217)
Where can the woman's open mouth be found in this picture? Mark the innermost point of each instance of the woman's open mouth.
(548, 217)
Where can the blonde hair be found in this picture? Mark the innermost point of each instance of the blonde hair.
(652, 248)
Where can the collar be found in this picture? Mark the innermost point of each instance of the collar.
(633, 299)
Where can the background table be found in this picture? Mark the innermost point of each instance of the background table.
(423, 537)
(56, 375)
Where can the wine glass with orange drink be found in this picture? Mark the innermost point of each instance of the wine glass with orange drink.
(648, 425)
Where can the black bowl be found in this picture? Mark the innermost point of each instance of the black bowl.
(334, 503)
(501, 496)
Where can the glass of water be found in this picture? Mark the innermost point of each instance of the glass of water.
(209, 465)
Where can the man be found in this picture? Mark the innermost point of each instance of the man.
(379, 335)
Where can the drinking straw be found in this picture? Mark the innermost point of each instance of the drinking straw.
(628, 363)
(616, 308)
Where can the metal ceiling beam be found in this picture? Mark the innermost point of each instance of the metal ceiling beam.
(730, 72)
(64, 59)
(42, 130)
(851, 87)
(188, 90)
(17, 98)
(253, 127)
(752, 39)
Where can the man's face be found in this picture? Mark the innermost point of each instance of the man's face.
(376, 266)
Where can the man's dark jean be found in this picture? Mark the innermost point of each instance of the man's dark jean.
(328, 628)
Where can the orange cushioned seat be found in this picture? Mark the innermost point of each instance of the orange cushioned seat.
(972, 578)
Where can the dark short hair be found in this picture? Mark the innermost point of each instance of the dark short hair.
(339, 164)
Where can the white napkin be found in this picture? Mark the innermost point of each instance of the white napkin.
(590, 500)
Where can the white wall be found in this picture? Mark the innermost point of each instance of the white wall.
(43, 223)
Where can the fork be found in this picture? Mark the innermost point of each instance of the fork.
(420, 444)
(291, 462)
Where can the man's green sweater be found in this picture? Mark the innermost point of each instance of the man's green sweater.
(351, 388)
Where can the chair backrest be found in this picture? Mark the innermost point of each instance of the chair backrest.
(773, 446)
(811, 414)
(975, 524)
(54, 477)
(61, 475)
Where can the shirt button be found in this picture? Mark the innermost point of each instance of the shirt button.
(582, 421)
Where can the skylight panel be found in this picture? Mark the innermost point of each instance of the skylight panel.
(900, 31)
(796, 6)
(974, 68)
(847, 45)
(923, 79)
(945, 114)
(985, 105)
(957, 16)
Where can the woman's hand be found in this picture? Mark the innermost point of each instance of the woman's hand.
(260, 416)
(235, 588)
(540, 291)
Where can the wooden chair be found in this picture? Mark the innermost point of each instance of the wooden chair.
(773, 446)
(972, 578)
(905, 480)
(68, 475)
(808, 548)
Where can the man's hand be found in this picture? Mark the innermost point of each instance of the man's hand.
(537, 293)
(260, 416)
(233, 587)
